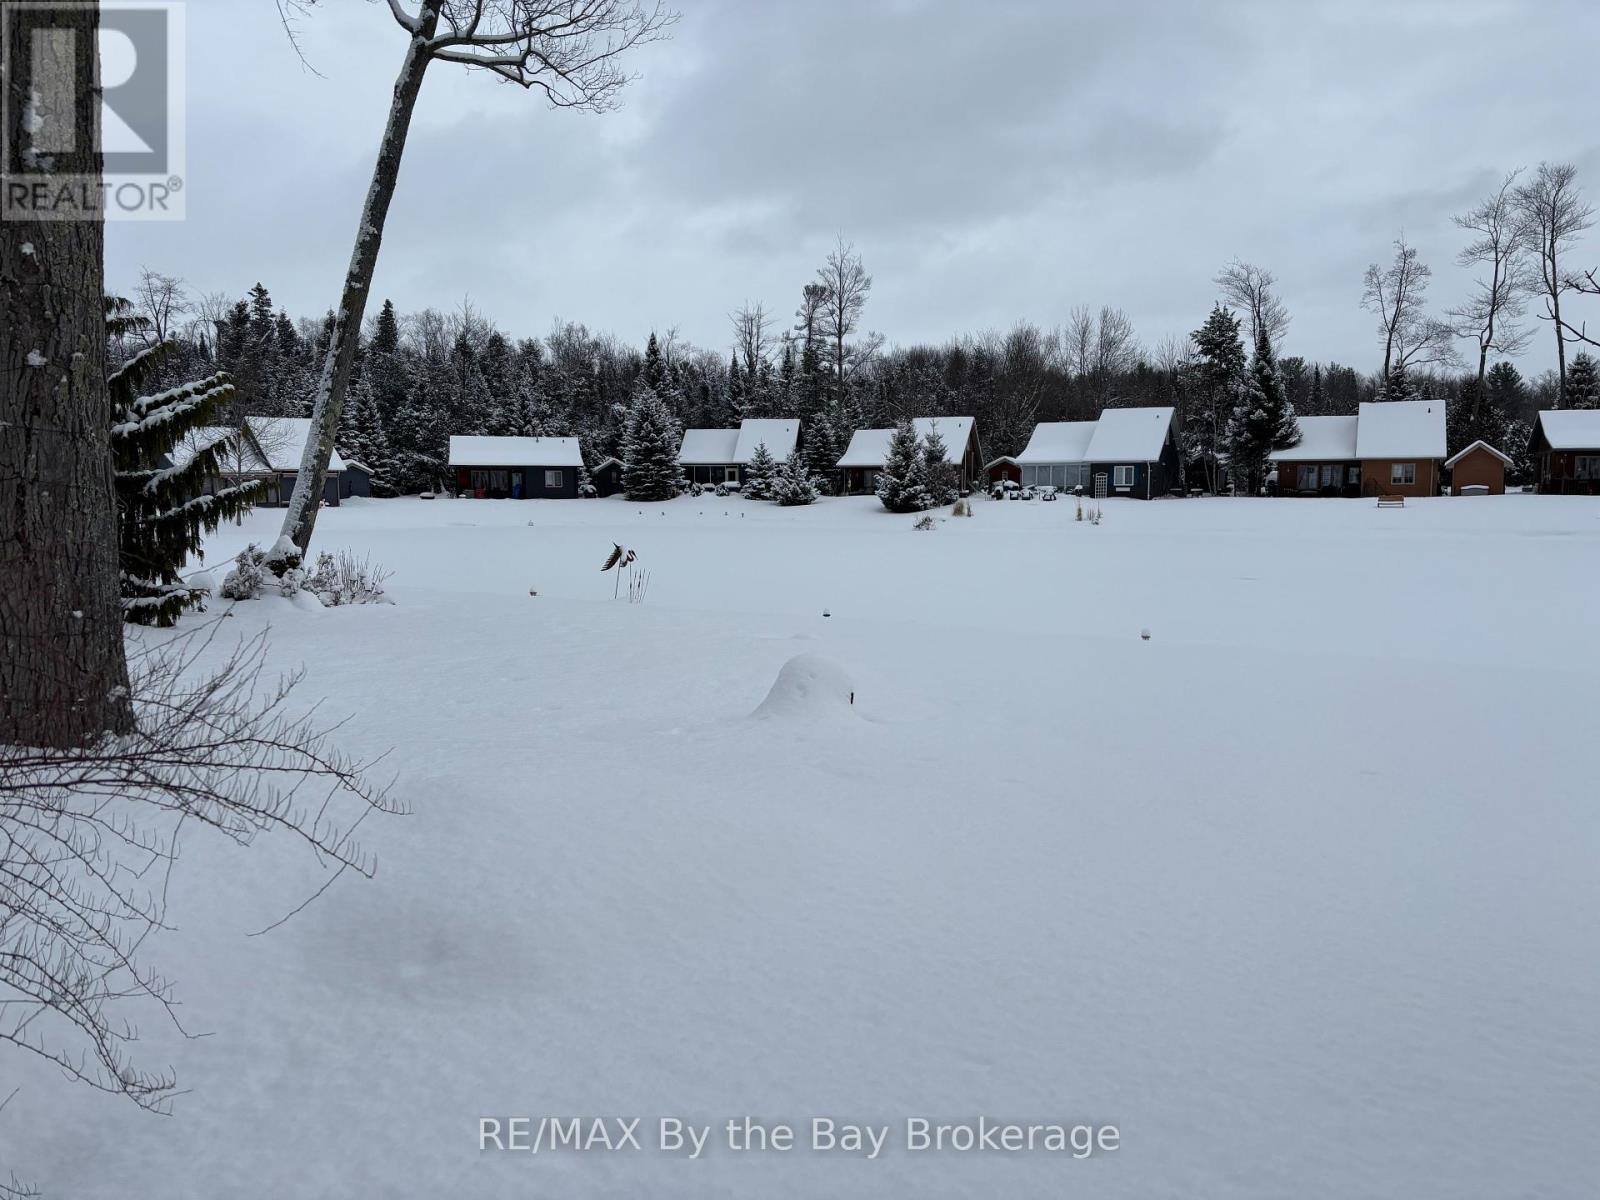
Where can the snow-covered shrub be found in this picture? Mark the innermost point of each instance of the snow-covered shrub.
(926, 522)
(722, 489)
(963, 508)
(588, 491)
(347, 580)
(244, 581)
(696, 489)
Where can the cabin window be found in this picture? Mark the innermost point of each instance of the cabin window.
(1306, 479)
(1122, 477)
(1587, 466)
(1403, 473)
(553, 479)
(1353, 475)
(730, 474)
(1330, 476)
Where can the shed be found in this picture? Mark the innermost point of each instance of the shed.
(606, 475)
(1057, 455)
(356, 480)
(1479, 466)
(518, 468)
(1325, 461)
(1004, 469)
(1136, 450)
(1401, 445)
(868, 450)
(1565, 445)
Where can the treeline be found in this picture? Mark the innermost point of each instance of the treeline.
(423, 376)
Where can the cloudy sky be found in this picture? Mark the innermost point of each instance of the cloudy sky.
(991, 161)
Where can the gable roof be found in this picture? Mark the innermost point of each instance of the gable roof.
(779, 435)
(475, 450)
(1058, 442)
(1129, 435)
(1400, 429)
(870, 447)
(1322, 439)
(1480, 444)
(282, 442)
(708, 446)
(1570, 428)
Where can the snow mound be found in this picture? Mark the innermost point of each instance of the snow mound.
(808, 686)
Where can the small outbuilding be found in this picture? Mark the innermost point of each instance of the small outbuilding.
(515, 468)
(1479, 470)
(271, 452)
(1325, 461)
(1057, 455)
(606, 475)
(1004, 469)
(1566, 448)
(1401, 445)
(356, 480)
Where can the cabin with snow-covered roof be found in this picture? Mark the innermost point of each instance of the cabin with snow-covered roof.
(1478, 470)
(1323, 463)
(1057, 455)
(1134, 451)
(1401, 445)
(868, 450)
(515, 468)
(721, 456)
(1565, 446)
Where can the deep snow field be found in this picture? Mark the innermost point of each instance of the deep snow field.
(1302, 893)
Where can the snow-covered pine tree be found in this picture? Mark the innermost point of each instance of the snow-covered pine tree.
(1397, 385)
(940, 477)
(902, 484)
(655, 367)
(649, 447)
(1583, 382)
(823, 445)
(759, 474)
(1218, 374)
(737, 400)
(793, 484)
(1263, 419)
(163, 509)
(362, 438)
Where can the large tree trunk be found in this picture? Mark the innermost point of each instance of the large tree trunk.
(63, 671)
(301, 518)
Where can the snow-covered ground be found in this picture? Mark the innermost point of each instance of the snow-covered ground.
(1299, 893)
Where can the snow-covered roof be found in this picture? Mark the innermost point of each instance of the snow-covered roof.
(1058, 442)
(995, 462)
(1322, 439)
(1129, 435)
(1571, 428)
(196, 440)
(1480, 444)
(1401, 429)
(870, 447)
(779, 435)
(473, 450)
(283, 442)
(702, 446)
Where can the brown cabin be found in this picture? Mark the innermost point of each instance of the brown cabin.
(1479, 470)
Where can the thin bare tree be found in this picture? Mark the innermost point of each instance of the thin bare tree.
(1553, 213)
(752, 337)
(1397, 296)
(1099, 349)
(1490, 316)
(1249, 287)
(846, 287)
(163, 304)
(570, 51)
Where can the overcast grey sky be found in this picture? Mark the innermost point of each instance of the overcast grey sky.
(991, 161)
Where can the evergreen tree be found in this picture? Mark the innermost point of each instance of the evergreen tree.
(1504, 388)
(940, 477)
(902, 484)
(737, 400)
(386, 331)
(823, 445)
(1397, 385)
(794, 485)
(655, 369)
(1218, 377)
(164, 510)
(650, 441)
(362, 438)
(1263, 419)
(1319, 401)
(760, 474)
(1583, 382)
